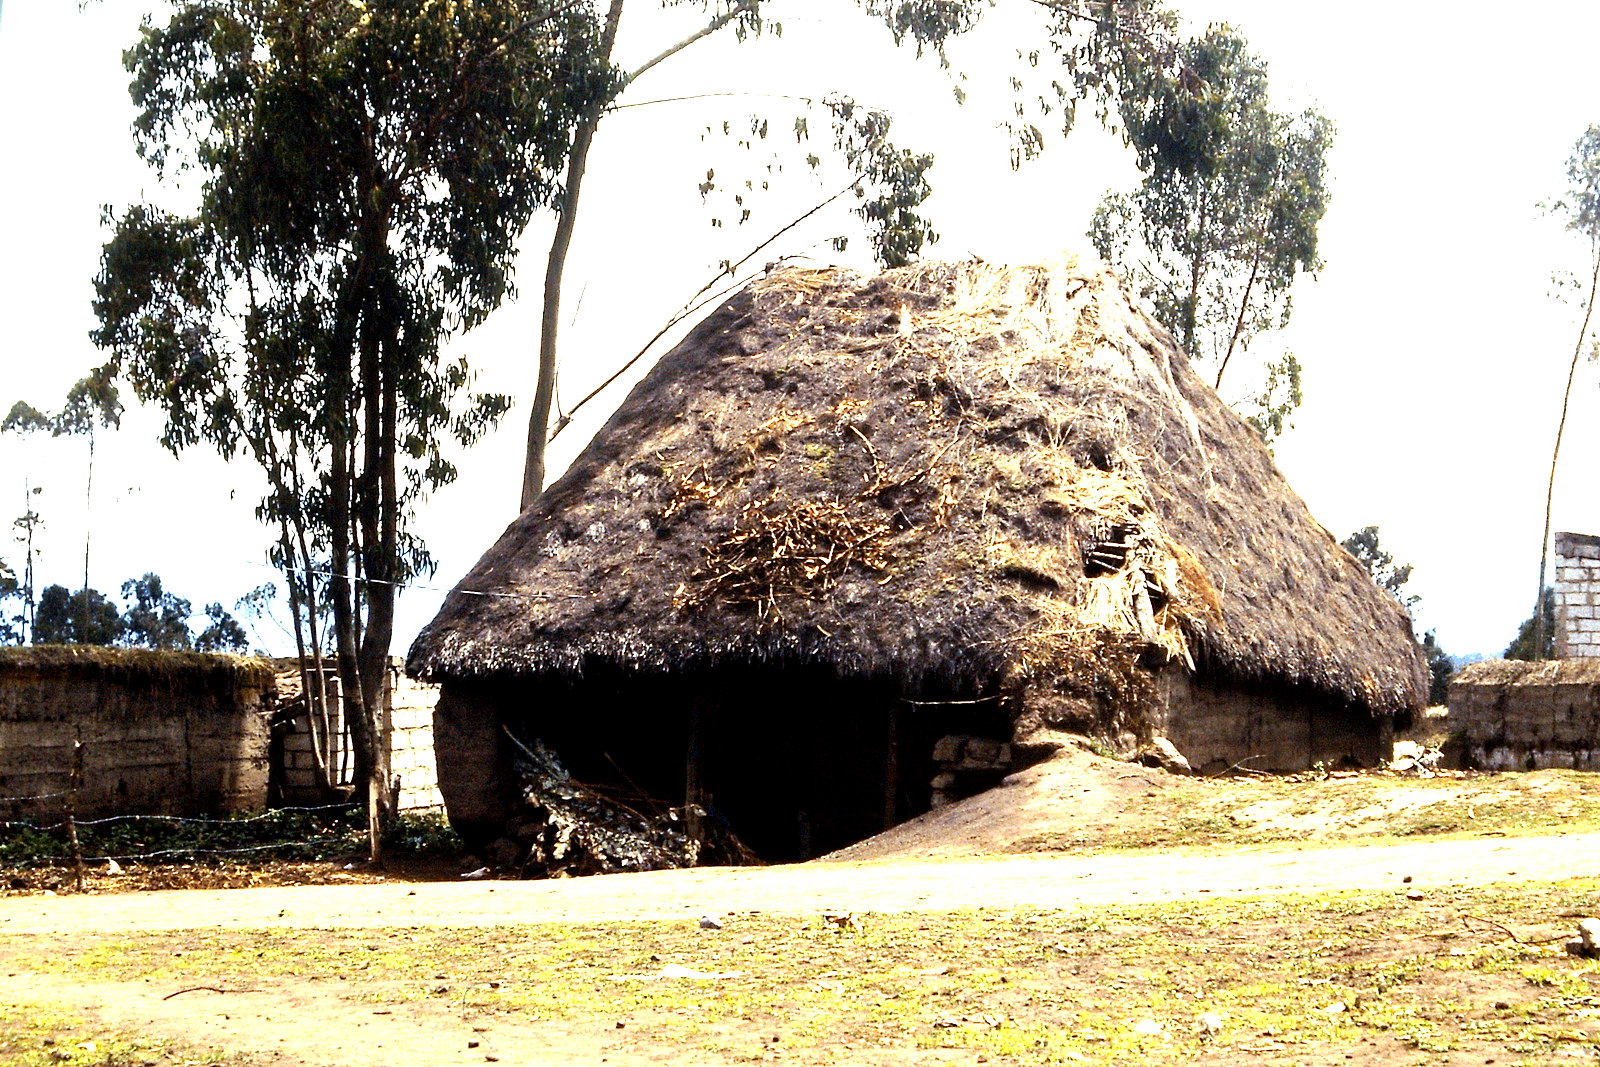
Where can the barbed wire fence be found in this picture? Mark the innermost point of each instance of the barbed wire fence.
(57, 833)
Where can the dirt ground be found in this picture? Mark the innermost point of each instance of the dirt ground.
(951, 862)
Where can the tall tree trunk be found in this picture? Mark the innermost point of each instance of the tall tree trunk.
(1555, 455)
(319, 701)
(319, 763)
(555, 269)
(342, 405)
(380, 524)
(371, 638)
(1244, 304)
(88, 530)
(1191, 311)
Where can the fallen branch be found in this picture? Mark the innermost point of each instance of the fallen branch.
(207, 989)
(1507, 931)
(1240, 766)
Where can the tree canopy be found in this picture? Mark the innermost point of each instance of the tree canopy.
(1392, 578)
(1226, 215)
(1536, 636)
(1380, 563)
(85, 617)
(1098, 44)
(154, 617)
(363, 173)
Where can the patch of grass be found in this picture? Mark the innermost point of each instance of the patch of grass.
(1102, 985)
(32, 1036)
(233, 848)
(1366, 806)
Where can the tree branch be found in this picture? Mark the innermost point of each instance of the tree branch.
(694, 304)
(707, 96)
(1555, 453)
(707, 30)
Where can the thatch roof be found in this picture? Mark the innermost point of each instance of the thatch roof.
(993, 476)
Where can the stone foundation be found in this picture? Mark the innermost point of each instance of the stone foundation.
(967, 765)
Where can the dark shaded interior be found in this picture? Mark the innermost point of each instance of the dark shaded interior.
(798, 761)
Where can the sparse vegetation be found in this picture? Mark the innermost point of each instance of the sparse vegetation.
(162, 853)
(1371, 807)
(1470, 971)
(37, 1037)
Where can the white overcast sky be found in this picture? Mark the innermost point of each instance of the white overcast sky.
(1434, 354)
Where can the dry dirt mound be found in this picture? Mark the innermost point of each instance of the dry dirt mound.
(1078, 800)
(1074, 795)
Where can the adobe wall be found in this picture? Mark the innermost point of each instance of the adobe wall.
(172, 739)
(1577, 596)
(476, 775)
(1517, 715)
(1217, 725)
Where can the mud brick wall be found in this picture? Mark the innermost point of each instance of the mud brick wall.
(1525, 716)
(166, 741)
(1577, 596)
(1216, 725)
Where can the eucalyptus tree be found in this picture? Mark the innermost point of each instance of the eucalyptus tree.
(222, 632)
(13, 628)
(1226, 215)
(1380, 563)
(361, 172)
(1099, 43)
(93, 403)
(87, 617)
(155, 617)
(1581, 207)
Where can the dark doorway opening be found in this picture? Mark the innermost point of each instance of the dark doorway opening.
(797, 761)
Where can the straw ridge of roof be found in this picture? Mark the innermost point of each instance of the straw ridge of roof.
(947, 471)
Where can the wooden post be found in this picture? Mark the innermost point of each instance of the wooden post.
(694, 792)
(72, 814)
(891, 767)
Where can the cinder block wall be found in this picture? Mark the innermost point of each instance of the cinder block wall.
(1517, 715)
(1577, 596)
(411, 756)
(162, 733)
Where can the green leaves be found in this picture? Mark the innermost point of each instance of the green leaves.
(1280, 395)
(363, 171)
(927, 23)
(1581, 204)
(366, 169)
(892, 182)
(1226, 215)
(91, 401)
(154, 618)
(1390, 576)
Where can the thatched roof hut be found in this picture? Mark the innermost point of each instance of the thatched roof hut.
(966, 484)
